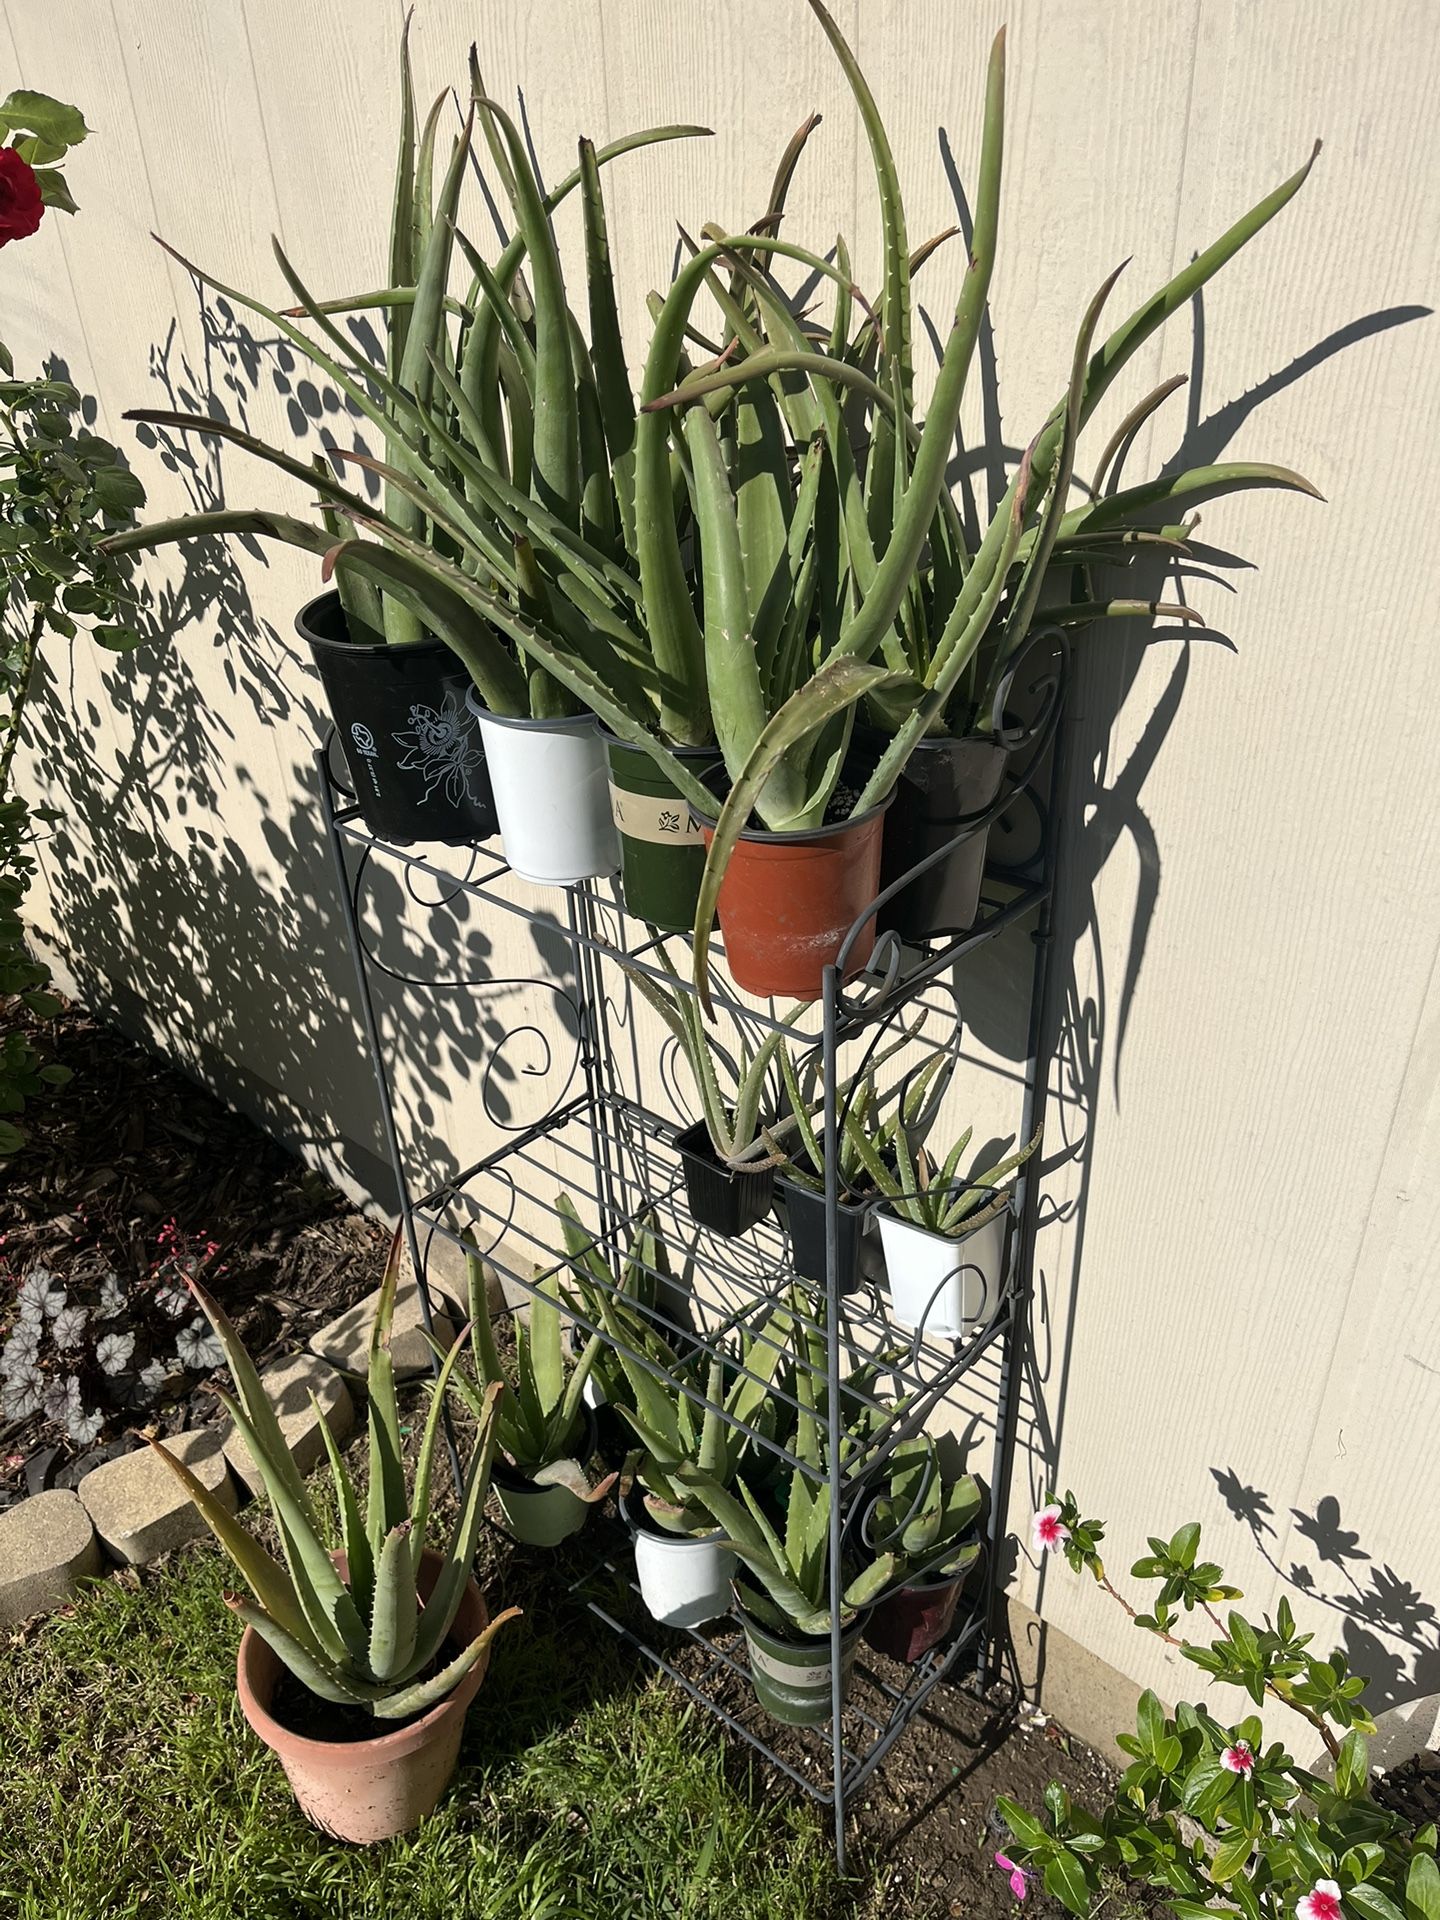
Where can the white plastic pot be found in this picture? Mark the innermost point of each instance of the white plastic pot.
(945, 1287)
(684, 1578)
(552, 796)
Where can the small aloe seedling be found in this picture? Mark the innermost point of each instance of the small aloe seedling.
(365, 1639)
(924, 1518)
(912, 1109)
(735, 1113)
(539, 1412)
(944, 1202)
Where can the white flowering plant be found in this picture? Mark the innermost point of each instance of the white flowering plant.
(1225, 1824)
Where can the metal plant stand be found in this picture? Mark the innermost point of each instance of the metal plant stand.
(604, 1142)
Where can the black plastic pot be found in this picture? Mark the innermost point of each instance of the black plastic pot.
(944, 783)
(721, 1198)
(412, 746)
(805, 1219)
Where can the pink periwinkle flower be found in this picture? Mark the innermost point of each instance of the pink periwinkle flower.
(1018, 1883)
(1321, 1903)
(1048, 1531)
(1239, 1759)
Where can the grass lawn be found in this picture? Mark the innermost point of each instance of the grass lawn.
(132, 1786)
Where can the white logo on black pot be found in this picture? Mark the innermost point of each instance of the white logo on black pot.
(440, 747)
(364, 741)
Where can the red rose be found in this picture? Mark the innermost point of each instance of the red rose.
(20, 202)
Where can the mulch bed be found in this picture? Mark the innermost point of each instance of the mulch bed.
(130, 1160)
(1413, 1790)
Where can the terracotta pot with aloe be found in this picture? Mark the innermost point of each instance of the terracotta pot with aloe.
(363, 1650)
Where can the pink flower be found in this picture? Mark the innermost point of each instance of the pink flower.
(1239, 1759)
(1047, 1531)
(1017, 1875)
(1321, 1903)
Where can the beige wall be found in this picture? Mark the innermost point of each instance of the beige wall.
(1238, 1266)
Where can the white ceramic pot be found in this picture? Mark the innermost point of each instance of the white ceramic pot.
(944, 1287)
(552, 796)
(684, 1578)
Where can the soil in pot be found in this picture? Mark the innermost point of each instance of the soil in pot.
(723, 1198)
(788, 900)
(662, 851)
(411, 743)
(304, 1713)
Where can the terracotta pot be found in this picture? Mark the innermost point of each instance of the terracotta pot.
(368, 1790)
(788, 900)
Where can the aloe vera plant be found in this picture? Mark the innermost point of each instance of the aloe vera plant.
(364, 1640)
(924, 1518)
(737, 1097)
(943, 1201)
(937, 623)
(634, 1295)
(539, 1407)
(866, 1123)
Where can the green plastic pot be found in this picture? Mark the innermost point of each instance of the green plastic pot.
(537, 1514)
(791, 1676)
(662, 851)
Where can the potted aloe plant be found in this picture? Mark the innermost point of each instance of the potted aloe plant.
(927, 1519)
(801, 1179)
(360, 1654)
(546, 1432)
(943, 1235)
(729, 1155)
(684, 1565)
(492, 594)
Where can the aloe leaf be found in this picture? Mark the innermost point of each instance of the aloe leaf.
(402, 251)
(323, 1596)
(322, 480)
(545, 1353)
(607, 348)
(1081, 613)
(386, 1503)
(395, 1610)
(557, 425)
(780, 185)
(422, 217)
(439, 1612)
(266, 1578)
(427, 1693)
(268, 1448)
(499, 681)
(800, 1107)
(1131, 425)
(732, 671)
(359, 1563)
(248, 522)
(868, 1585)
(838, 684)
(895, 308)
(314, 1674)
(425, 1461)
(1184, 489)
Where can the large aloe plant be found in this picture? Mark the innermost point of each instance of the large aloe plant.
(365, 1640)
(539, 1403)
(936, 625)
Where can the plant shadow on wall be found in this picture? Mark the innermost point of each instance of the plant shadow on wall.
(1391, 1632)
(228, 947)
(1102, 808)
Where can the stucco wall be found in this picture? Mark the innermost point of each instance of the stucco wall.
(1238, 1302)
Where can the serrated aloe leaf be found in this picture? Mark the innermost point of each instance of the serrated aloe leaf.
(322, 1594)
(425, 1461)
(268, 1447)
(439, 1611)
(266, 1578)
(607, 348)
(872, 1581)
(402, 235)
(1130, 426)
(546, 1358)
(1188, 489)
(320, 478)
(313, 1674)
(395, 1610)
(359, 1563)
(427, 1693)
(557, 426)
(246, 521)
